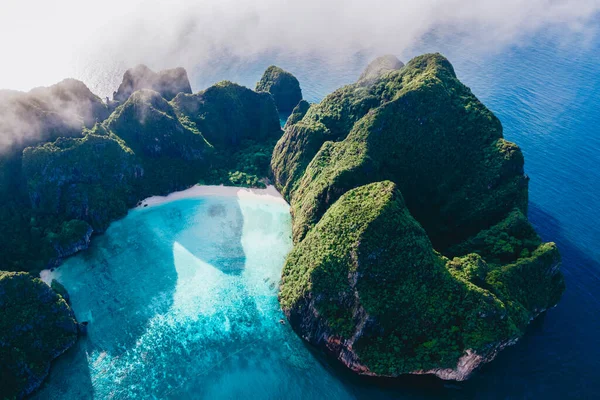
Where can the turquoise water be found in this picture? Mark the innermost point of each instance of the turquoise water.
(546, 92)
(182, 303)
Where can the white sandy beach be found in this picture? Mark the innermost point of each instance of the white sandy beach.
(269, 194)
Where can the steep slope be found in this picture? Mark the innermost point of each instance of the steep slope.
(36, 326)
(463, 186)
(67, 189)
(284, 87)
(227, 114)
(242, 127)
(47, 113)
(87, 178)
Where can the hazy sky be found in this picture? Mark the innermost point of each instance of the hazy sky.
(45, 41)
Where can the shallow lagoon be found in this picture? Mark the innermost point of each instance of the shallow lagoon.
(182, 302)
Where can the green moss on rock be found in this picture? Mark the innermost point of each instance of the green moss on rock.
(89, 179)
(374, 279)
(297, 113)
(284, 87)
(369, 278)
(36, 326)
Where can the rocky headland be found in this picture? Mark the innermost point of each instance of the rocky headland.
(284, 87)
(413, 253)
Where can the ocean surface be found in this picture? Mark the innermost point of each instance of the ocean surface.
(182, 297)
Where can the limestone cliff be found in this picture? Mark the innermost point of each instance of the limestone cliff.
(284, 87)
(36, 326)
(412, 250)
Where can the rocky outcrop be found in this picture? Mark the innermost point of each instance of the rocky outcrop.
(284, 87)
(47, 113)
(74, 236)
(148, 125)
(61, 290)
(380, 66)
(36, 326)
(91, 179)
(413, 253)
(297, 113)
(168, 82)
(53, 193)
(228, 114)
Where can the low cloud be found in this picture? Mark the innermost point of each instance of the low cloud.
(44, 42)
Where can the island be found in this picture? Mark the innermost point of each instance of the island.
(284, 87)
(413, 253)
(412, 249)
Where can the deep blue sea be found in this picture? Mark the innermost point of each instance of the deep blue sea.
(546, 92)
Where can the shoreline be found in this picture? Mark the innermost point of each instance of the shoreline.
(269, 194)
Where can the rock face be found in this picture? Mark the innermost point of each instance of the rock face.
(297, 113)
(149, 126)
(74, 237)
(47, 113)
(228, 114)
(380, 66)
(412, 250)
(284, 87)
(54, 195)
(87, 179)
(168, 82)
(36, 326)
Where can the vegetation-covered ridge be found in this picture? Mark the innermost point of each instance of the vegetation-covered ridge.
(284, 87)
(87, 168)
(36, 326)
(58, 192)
(413, 251)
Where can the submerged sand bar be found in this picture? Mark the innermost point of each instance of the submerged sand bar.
(270, 194)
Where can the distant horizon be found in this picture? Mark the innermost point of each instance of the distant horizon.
(51, 42)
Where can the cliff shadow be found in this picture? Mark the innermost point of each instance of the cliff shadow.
(210, 230)
(69, 376)
(125, 286)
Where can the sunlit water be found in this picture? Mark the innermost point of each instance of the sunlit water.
(181, 300)
(547, 95)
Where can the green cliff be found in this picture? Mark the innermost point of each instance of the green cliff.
(79, 175)
(36, 326)
(433, 273)
(284, 87)
(69, 188)
(46, 113)
(297, 113)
